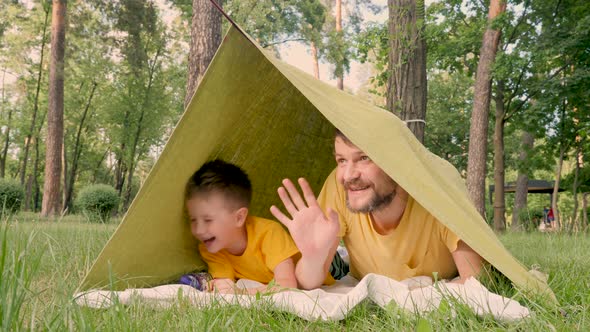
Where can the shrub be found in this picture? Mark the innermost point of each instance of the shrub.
(11, 196)
(98, 201)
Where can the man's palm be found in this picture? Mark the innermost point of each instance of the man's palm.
(313, 232)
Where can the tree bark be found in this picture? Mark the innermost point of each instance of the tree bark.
(478, 131)
(315, 60)
(340, 78)
(499, 196)
(406, 88)
(205, 39)
(55, 120)
(522, 183)
(23, 169)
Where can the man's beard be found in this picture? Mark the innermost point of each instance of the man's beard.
(377, 202)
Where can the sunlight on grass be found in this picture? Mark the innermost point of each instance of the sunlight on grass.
(43, 262)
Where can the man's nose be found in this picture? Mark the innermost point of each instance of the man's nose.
(351, 172)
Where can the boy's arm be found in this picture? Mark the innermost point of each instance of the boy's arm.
(468, 262)
(285, 274)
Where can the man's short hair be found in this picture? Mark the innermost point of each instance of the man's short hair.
(226, 178)
(338, 133)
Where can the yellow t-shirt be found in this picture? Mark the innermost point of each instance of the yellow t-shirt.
(420, 245)
(268, 245)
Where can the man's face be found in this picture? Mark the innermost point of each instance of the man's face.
(367, 187)
(214, 221)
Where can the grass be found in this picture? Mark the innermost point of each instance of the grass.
(42, 263)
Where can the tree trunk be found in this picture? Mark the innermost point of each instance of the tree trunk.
(144, 106)
(575, 219)
(522, 183)
(340, 78)
(205, 39)
(407, 90)
(499, 197)
(55, 115)
(29, 204)
(478, 131)
(97, 168)
(64, 165)
(23, 169)
(557, 222)
(315, 60)
(585, 211)
(6, 144)
(71, 178)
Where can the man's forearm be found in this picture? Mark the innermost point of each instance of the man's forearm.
(311, 272)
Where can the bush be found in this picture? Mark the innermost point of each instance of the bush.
(11, 196)
(98, 201)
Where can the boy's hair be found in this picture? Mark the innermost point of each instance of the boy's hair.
(218, 175)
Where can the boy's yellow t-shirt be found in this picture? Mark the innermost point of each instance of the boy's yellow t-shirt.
(420, 245)
(268, 245)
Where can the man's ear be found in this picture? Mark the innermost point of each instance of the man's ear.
(241, 215)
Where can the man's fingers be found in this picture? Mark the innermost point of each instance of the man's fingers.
(295, 196)
(287, 201)
(280, 216)
(308, 193)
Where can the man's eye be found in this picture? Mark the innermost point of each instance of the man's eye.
(365, 158)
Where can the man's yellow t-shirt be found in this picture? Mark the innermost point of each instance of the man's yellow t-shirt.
(268, 245)
(420, 245)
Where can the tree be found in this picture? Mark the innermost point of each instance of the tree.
(310, 28)
(340, 72)
(28, 139)
(51, 189)
(205, 39)
(478, 133)
(406, 93)
(522, 183)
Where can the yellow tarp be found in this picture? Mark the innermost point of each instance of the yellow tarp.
(276, 121)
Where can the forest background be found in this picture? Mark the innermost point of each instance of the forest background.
(521, 68)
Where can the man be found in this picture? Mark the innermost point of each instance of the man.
(384, 229)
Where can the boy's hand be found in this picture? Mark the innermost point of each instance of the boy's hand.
(313, 232)
(224, 286)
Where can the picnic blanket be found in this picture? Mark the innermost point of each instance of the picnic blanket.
(415, 295)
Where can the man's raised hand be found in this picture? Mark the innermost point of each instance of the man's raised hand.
(313, 232)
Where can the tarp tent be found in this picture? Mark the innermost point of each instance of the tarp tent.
(276, 122)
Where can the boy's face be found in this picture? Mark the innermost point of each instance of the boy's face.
(215, 221)
(368, 187)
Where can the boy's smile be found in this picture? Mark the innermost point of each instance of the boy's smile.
(217, 223)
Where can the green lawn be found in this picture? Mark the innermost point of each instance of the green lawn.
(42, 263)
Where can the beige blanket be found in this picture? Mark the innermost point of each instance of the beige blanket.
(416, 295)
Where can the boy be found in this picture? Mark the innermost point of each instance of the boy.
(234, 244)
